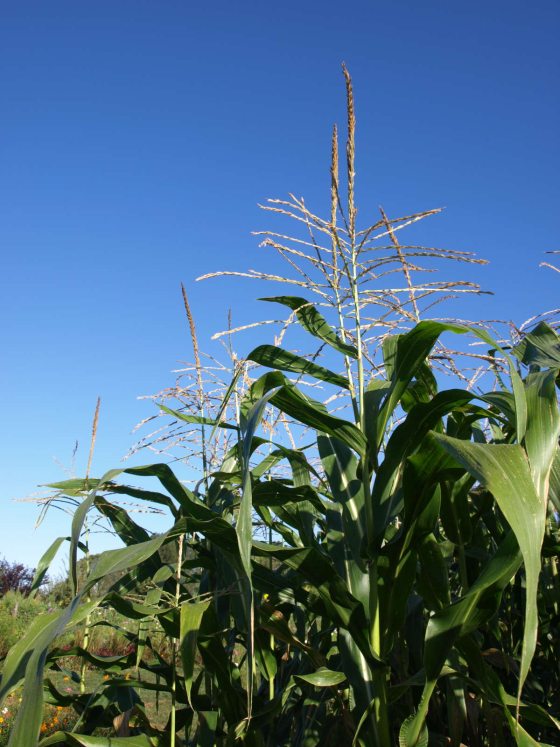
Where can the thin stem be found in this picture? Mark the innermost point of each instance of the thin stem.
(174, 647)
(87, 624)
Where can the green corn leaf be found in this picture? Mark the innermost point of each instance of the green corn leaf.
(516, 383)
(207, 730)
(323, 677)
(244, 531)
(554, 481)
(150, 496)
(341, 606)
(283, 360)
(461, 618)
(433, 583)
(276, 493)
(77, 524)
(314, 322)
(227, 396)
(26, 728)
(489, 683)
(244, 527)
(85, 740)
(74, 486)
(504, 470)
(15, 663)
(409, 737)
(128, 530)
(406, 439)
(32, 651)
(264, 655)
(541, 347)
(289, 399)
(406, 356)
(543, 428)
(164, 474)
(341, 470)
(44, 564)
(113, 561)
(191, 618)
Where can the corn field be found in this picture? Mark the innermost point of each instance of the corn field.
(364, 532)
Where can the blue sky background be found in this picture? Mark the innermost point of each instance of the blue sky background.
(136, 139)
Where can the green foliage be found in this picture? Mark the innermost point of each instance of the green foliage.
(17, 612)
(405, 589)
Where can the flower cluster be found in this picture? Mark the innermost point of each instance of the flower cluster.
(55, 718)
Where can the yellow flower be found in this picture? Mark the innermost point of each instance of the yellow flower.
(59, 708)
(66, 679)
(1, 720)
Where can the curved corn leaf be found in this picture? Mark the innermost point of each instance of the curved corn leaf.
(284, 360)
(406, 438)
(289, 399)
(26, 728)
(541, 347)
(44, 564)
(408, 737)
(504, 470)
(405, 357)
(127, 529)
(314, 322)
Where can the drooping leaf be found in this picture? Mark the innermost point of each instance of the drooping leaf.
(314, 322)
(289, 399)
(540, 347)
(504, 470)
(408, 354)
(284, 360)
(44, 563)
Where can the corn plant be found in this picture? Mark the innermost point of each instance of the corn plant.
(406, 591)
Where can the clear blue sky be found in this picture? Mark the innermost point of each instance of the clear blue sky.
(137, 137)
